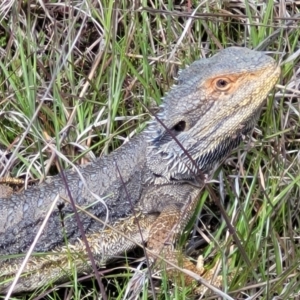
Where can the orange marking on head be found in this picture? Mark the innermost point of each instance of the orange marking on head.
(227, 84)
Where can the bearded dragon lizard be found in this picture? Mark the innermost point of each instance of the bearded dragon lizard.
(215, 104)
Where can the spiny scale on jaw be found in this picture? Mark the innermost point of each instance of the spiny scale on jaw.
(211, 137)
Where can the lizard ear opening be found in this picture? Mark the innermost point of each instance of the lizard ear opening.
(165, 136)
(179, 127)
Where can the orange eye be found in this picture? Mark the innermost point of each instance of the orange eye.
(222, 84)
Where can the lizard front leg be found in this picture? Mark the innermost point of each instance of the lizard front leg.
(161, 239)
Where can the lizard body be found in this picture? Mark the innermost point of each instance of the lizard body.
(216, 102)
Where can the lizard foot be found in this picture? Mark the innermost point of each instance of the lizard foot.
(175, 265)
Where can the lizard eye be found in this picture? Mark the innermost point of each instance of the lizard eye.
(222, 84)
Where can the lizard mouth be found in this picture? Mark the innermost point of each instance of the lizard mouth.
(176, 163)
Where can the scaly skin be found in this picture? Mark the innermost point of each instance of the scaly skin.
(216, 102)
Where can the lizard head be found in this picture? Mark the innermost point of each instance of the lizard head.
(216, 103)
